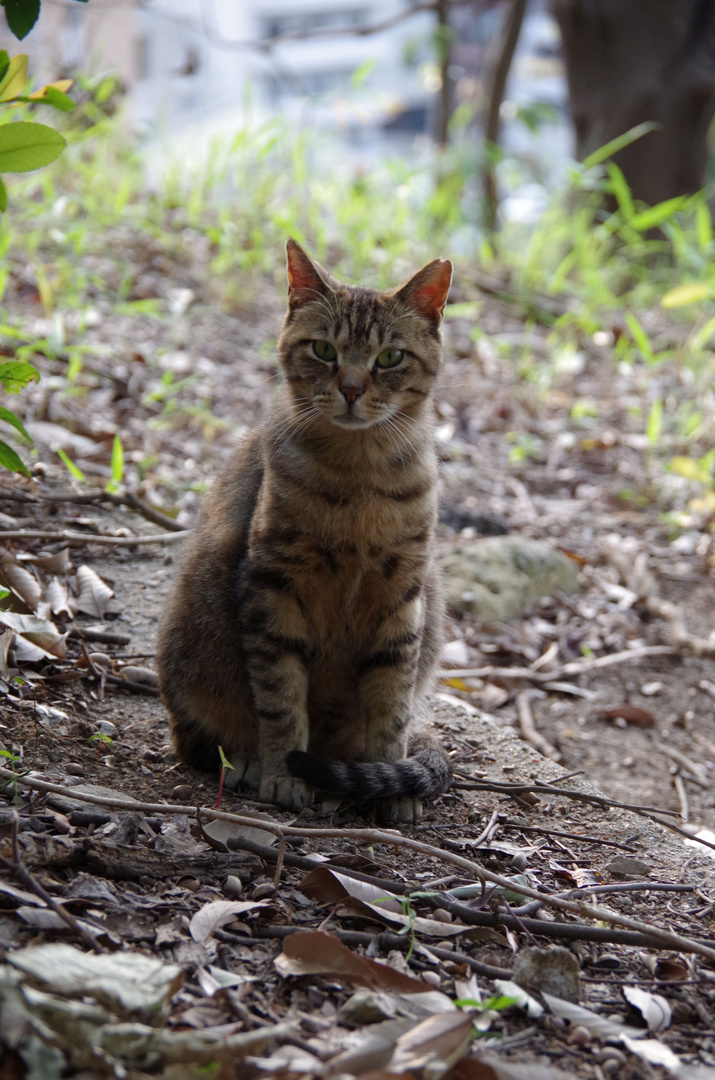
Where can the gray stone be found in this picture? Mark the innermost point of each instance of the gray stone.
(500, 577)
(552, 971)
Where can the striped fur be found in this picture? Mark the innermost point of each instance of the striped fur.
(306, 622)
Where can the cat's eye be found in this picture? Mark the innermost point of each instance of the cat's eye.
(390, 358)
(325, 351)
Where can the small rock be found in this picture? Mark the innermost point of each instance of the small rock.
(650, 689)
(580, 1036)
(432, 977)
(233, 887)
(625, 867)
(106, 727)
(442, 916)
(554, 971)
(182, 793)
(500, 577)
(264, 891)
(73, 769)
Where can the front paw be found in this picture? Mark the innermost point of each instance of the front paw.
(286, 791)
(244, 775)
(400, 808)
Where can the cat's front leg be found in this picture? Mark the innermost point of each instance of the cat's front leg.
(277, 646)
(388, 676)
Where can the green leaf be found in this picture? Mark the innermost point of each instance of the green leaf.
(4, 63)
(639, 335)
(25, 146)
(70, 465)
(654, 215)
(117, 464)
(619, 184)
(10, 418)
(58, 99)
(654, 424)
(16, 374)
(224, 763)
(687, 294)
(10, 460)
(3, 196)
(14, 79)
(612, 147)
(21, 16)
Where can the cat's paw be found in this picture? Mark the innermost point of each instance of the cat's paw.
(286, 791)
(245, 774)
(400, 808)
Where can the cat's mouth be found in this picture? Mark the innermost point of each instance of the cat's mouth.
(351, 420)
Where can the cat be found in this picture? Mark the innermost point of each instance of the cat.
(306, 620)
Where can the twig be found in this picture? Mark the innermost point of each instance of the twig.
(573, 667)
(31, 882)
(666, 938)
(92, 498)
(104, 637)
(528, 728)
(74, 538)
(698, 772)
(682, 797)
(566, 835)
(639, 580)
(485, 833)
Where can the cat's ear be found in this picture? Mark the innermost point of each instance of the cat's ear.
(307, 280)
(426, 292)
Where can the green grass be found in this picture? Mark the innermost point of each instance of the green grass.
(596, 267)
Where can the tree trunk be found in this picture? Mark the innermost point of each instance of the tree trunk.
(628, 61)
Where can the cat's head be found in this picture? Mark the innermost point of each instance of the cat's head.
(359, 357)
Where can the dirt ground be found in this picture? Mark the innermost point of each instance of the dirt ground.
(181, 389)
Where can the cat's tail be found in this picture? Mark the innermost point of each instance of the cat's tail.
(425, 772)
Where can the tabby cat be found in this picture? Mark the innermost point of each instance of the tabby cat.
(306, 619)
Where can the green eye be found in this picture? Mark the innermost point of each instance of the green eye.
(390, 358)
(325, 351)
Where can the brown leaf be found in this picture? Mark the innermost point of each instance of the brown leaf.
(632, 714)
(36, 638)
(443, 1036)
(373, 902)
(21, 582)
(313, 952)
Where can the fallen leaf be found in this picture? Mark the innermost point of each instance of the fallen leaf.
(313, 952)
(444, 1037)
(490, 1067)
(20, 581)
(373, 902)
(58, 598)
(52, 562)
(41, 634)
(94, 594)
(222, 835)
(216, 913)
(632, 714)
(654, 1009)
(655, 1053)
(626, 866)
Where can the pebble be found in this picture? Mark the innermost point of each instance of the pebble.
(182, 792)
(441, 915)
(580, 1036)
(232, 887)
(432, 977)
(73, 769)
(106, 727)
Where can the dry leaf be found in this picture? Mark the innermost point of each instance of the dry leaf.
(41, 637)
(655, 1009)
(373, 902)
(219, 834)
(20, 581)
(52, 562)
(632, 714)
(216, 913)
(58, 598)
(313, 952)
(94, 594)
(444, 1037)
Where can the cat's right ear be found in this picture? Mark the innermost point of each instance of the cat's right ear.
(306, 280)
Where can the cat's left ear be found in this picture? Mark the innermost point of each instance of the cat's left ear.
(307, 280)
(426, 292)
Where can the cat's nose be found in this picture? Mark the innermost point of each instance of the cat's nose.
(351, 393)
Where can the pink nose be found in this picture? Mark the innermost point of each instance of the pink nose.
(351, 393)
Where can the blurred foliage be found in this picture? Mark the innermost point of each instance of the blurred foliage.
(595, 267)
